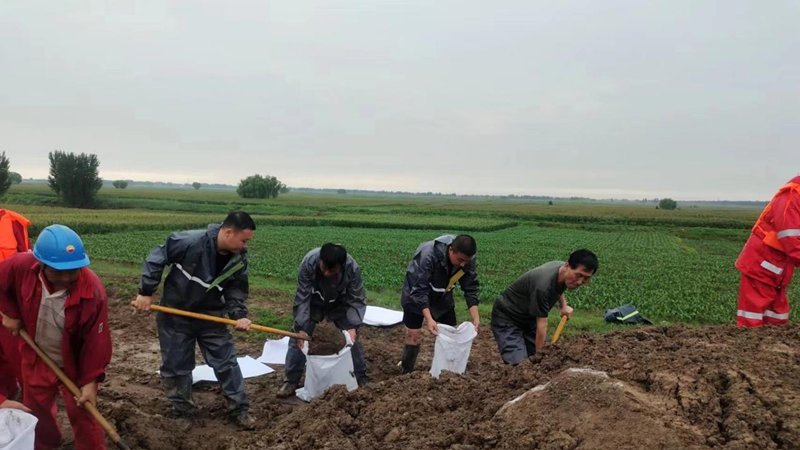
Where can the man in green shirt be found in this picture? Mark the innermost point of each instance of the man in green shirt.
(519, 316)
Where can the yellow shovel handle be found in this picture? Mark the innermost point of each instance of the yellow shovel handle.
(560, 328)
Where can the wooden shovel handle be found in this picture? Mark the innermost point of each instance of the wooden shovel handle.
(73, 388)
(210, 318)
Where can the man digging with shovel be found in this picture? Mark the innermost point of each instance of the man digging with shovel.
(519, 315)
(53, 296)
(208, 274)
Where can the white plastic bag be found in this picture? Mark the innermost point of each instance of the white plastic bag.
(324, 371)
(16, 429)
(451, 351)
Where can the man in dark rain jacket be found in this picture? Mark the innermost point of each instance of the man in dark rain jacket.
(209, 275)
(329, 287)
(428, 289)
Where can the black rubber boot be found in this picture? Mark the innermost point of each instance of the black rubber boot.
(179, 392)
(287, 389)
(410, 353)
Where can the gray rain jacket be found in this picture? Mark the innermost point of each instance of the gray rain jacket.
(428, 274)
(346, 309)
(193, 256)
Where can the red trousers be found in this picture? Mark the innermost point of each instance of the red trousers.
(10, 377)
(40, 386)
(761, 304)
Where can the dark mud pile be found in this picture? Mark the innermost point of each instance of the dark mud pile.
(670, 388)
(326, 340)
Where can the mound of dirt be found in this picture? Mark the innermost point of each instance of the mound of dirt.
(587, 409)
(327, 339)
(670, 388)
(678, 387)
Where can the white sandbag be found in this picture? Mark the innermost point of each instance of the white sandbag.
(451, 351)
(16, 429)
(382, 317)
(324, 371)
(274, 351)
(250, 368)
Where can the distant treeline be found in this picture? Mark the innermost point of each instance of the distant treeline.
(151, 184)
(538, 198)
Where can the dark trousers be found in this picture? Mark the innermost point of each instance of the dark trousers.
(296, 361)
(177, 337)
(414, 321)
(516, 342)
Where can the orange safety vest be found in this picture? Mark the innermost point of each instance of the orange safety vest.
(761, 229)
(8, 240)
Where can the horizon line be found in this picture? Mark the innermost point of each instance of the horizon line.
(435, 194)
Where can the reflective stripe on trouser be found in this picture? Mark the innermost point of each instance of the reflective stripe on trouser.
(177, 337)
(40, 386)
(761, 304)
(515, 343)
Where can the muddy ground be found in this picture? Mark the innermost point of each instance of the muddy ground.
(663, 388)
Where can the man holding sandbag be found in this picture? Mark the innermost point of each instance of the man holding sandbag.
(329, 287)
(427, 296)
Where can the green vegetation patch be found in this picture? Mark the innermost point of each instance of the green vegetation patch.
(667, 277)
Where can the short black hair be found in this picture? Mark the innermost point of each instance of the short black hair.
(464, 243)
(585, 258)
(239, 220)
(333, 255)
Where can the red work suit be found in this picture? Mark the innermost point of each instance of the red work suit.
(10, 376)
(13, 240)
(768, 259)
(85, 348)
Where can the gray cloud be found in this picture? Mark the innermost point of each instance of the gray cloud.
(694, 100)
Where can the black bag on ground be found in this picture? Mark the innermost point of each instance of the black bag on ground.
(625, 314)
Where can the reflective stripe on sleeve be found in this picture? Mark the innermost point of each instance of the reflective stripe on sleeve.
(790, 232)
(771, 267)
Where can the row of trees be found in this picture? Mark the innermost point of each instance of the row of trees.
(75, 179)
(122, 184)
(72, 177)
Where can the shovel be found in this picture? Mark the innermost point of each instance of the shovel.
(194, 315)
(105, 424)
(560, 328)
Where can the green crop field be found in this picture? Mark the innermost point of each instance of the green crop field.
(676, 266)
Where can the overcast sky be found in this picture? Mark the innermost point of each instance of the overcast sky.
(687, 99)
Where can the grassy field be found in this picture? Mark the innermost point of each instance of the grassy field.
(676, 266)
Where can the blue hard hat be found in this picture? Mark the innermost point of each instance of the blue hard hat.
(60, 248)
